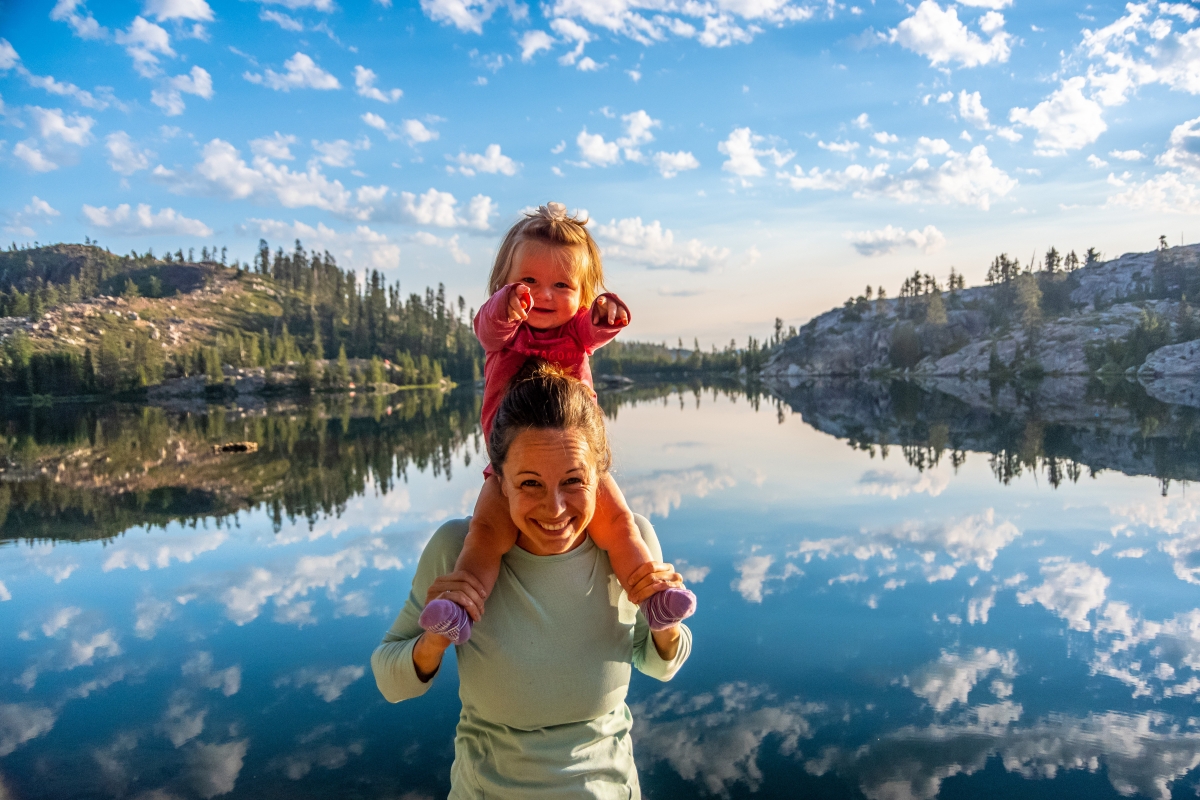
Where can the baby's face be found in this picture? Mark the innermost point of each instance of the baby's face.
(552, 281)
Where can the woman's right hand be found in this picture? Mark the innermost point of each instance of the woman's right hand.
(460, 587)
(651, 578)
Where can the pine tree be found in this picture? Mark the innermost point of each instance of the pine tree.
(343, 366)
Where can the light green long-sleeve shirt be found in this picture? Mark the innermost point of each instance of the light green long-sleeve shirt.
(543, 678)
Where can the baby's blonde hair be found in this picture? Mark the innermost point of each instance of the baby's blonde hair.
(550, 225)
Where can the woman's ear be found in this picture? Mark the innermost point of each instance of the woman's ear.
(503, 485)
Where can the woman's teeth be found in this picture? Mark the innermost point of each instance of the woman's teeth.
(558, 526)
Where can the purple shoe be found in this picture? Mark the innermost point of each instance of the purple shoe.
(668, 607)
(447, 618)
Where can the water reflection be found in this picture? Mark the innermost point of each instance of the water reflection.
(906, 593)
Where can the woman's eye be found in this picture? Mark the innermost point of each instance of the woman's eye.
(529, 484)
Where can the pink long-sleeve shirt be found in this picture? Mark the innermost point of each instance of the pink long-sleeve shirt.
(507, 345)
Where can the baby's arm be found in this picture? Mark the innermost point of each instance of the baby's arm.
(498, 319)
(600, 324)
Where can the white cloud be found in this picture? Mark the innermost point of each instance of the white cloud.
(338, 153)
(288, 23)
(28, 152)
(83, 653)
(142, 41)
(754, 575)
(886, 483)
(466, 15)
(533, 42)
(327, 684)
(449, 243)
(49, 84)
(572, 32)
(889, 239)
(951, 678)
(842, 148)
(361, 248)
(417, 133)
(178, 724)
(143, 222)
(364, 81)
(214, 768)
(743, 155)
(971, 108)
(940, 36)
(671, 164)
(1176, 190)
(1143, 47)
(200, 666)
(967, 179)
(1066, 120)
(1095, 162)
(53, 125)
(862, 121)
(197, 10)
(638, 126)
(170, 97)
(302, 73)
(20, 722)
(654, 246)
(1127, 155)
(36, 211)
(659, 492)
(594, 150)
(1071, 589)
(441, 210)
(5, 594)
(324, 6)
(995, 5)
(277, 147)
(883, 137)
(82, 23)
(491, 161)
(124, 156)
(149, 614)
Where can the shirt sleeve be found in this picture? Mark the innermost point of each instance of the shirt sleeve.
(492, 326)
(392, 662)
(645, 655)
(592, 337)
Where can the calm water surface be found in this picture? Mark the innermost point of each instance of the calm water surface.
(899, 597)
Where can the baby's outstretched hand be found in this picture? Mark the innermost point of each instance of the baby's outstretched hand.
(519, 303)
(609, 311)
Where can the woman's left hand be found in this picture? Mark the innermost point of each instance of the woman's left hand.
(651, 578)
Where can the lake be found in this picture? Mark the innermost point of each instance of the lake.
(904, 593)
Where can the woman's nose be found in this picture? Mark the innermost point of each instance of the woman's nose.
(555, 504)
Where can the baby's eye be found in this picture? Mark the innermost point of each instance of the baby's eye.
(529, 280)
(561, 285)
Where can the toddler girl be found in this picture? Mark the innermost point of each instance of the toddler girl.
(546, 303)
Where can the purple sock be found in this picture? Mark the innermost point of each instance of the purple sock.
(668, 607)
(447, 618)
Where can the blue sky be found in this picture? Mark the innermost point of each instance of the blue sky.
(740, 159)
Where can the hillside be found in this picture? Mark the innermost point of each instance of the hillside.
(77, 320)
(1127, 316)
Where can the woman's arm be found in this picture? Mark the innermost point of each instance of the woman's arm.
(408, 658)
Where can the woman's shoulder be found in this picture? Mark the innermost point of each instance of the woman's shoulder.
(446, 543)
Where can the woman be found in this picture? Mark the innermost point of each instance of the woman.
(544, 676)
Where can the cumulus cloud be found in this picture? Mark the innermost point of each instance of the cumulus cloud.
(466, 15)
(971, 109)
(170, 98)
(197, 10)
(36, 211)
(886, 483)
(416, 132)
(755, 576)
(179, 722)
(744, 154)
(657, 493)
(671, 164)
(20, 722)
(1071, 589)
(28, 152)
(1066, 120)
(951, 678)
(940, 36)
(124, 156)
(214, 768)
(491, 161)
(81, 21)
(200, 666)
(1175, 190)
(326, 684)
(440, 209)
(145, 42)
(964, 178)
(593, 149)
(716, 738)
(301, 73)
(54, 126)
(364, 82)
(652, 245)
(144, 222)
(223, 172)
(533, 42)
(338, 153)
(450, 244)
(149, 615)
(361, 248)
(277, 147)
(889, 239)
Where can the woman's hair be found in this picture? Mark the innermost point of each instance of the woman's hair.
(544, 397)
(551, 226)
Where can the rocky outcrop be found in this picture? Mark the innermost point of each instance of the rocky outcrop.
(971, 343)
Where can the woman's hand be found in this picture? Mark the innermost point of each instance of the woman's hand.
(519, 303)
(609, 311)
(651, 578)
(461, 587)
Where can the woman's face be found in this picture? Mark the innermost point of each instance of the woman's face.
(549, 478)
